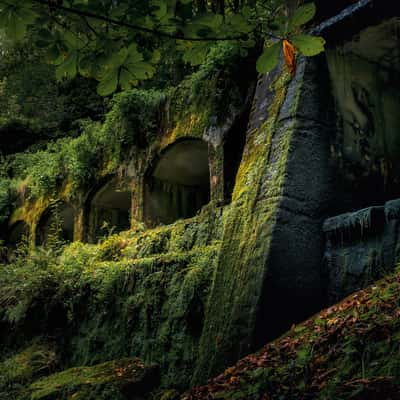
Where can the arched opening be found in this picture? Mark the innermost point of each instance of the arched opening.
(57, 223)
(109, 209)
(233, 152)
(17, 235)
(179, 184)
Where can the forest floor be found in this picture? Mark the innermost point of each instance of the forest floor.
(348, 351)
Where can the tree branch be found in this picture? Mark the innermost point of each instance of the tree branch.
(156, 32)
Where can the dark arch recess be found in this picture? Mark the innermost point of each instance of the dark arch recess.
(17, 233)
(59, 217)
(177, 184)
(107, 208)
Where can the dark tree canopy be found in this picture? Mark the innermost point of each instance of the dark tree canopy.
(120, 43)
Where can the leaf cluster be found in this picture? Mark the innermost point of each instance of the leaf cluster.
(290, 32)
(120, 43)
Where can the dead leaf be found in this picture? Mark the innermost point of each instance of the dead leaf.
(289, 54)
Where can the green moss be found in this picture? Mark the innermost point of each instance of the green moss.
(199, 102)
(137, 294)
(20, 370)
(170, 394)
(108, 380)
(242, 263)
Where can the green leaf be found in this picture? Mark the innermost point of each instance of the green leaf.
(108, 84)
(15, 29)
(15, 18)
(44, 38)
(155, 57)
(195, 52)
(126, 79)
(73, 41)
(240, 24)
(309, 45)
(69, 68)
(302, 15)
(269, 58)
(140, 70)
(162, 8)
(210, 20)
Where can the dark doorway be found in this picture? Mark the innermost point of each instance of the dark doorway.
(233, 152)
(18, 236)
(179, 184)
(109, 209)
(57, 222)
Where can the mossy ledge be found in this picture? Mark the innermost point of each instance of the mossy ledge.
(112, 379)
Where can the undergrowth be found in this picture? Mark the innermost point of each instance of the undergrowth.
(101, 148)
(102, 302)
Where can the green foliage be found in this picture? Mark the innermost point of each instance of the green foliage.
(132, 121)
(269, 58)
(17, 372)
(6, 199)
(120, 45)
(132, 295)
(224, 74)
(125, 68)
(307, 45)
(109, 380)
(134, 117)
(15, 18)
(33, 106)
(302, 16)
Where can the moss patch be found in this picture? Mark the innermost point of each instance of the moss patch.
(20, 370)
(241, 269)
(137, 294)
(109, 380)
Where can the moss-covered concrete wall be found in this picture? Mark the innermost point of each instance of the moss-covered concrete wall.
(196, 295)
(175, 117)
(268, 273)
(138, 294)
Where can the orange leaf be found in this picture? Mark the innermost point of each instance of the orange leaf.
(289, 53)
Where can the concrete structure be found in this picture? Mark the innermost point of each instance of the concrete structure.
(310, 147)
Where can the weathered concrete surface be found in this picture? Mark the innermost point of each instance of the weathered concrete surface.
(294, 286)
(365, 75)
(361, 247)
(268, 274)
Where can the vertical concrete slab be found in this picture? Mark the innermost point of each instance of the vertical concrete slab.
(268, 274)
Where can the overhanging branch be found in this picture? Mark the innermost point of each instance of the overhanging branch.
(138, 28)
